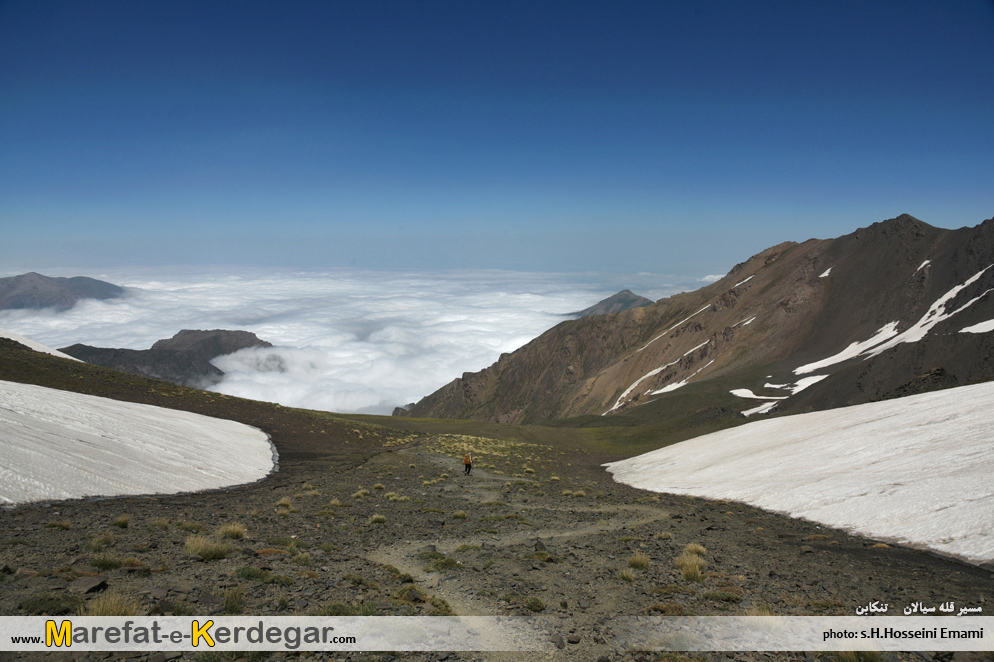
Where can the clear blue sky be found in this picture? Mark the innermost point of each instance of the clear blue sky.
(662, 136)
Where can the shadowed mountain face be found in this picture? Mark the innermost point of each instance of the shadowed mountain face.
(32, 290)
(874, 314)
(623, 300)
(184, 359)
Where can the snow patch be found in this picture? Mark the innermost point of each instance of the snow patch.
(673, 327)
(742, 282)
(884, 333)
(827, 271)
(36, 346)
(920, 266)
(761, 409)
(915, 470)
(747, 393)
(60, 445)
(636, 383)
(675, 385)
(935, 314)
(690, 351)
(983, 327)
(795, 388)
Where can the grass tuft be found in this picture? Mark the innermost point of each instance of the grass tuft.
(235, 531)
(234, 601)
(105, 562)
(51, 604)
(207, 548)
(638, 560)
(99, 542)
(111, 604)
(691, 566)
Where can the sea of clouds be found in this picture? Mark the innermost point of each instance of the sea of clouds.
(346, 340)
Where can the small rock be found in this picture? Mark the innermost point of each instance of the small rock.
(557, 639)
(574, 638)
(158, 657)
(805, 549)
(158, 593)
(88, 584)
(583, 604)
(540, 546)
(6, 570)
(25, 573)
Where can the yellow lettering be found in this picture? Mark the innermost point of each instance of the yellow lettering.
(58, 637)
(202, 632)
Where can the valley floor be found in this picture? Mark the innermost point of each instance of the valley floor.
(531, 531)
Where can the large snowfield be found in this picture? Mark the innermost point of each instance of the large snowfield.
(916, 470)
(61, 445)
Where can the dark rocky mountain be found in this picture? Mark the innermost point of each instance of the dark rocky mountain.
(184, 359)
(874, 314)
(32, 290)
(623, 300)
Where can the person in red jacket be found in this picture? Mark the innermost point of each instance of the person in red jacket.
(468, 462)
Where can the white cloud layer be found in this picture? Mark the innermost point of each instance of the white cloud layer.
(348, 341)
(711, 278)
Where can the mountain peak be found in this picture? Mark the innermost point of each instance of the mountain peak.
(615, 303)
(34, 290)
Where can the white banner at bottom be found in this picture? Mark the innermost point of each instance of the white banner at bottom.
(269, 633)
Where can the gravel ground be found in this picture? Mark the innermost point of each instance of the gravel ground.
(532, 531)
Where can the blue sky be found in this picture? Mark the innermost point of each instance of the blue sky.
(668, 137)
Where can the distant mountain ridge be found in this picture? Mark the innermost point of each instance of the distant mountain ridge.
(623, 300)
(184, 359)
(798, 327)
(33, 290)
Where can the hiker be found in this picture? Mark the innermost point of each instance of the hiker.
(468, 462)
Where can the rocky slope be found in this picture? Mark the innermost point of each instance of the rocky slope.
(370, 519)
(184, 359)
(872, 314)
(32, 290)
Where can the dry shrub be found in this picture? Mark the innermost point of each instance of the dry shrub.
(638, 560)
(691, 566)
(207, 548)
(235, 531)
(110, 603)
